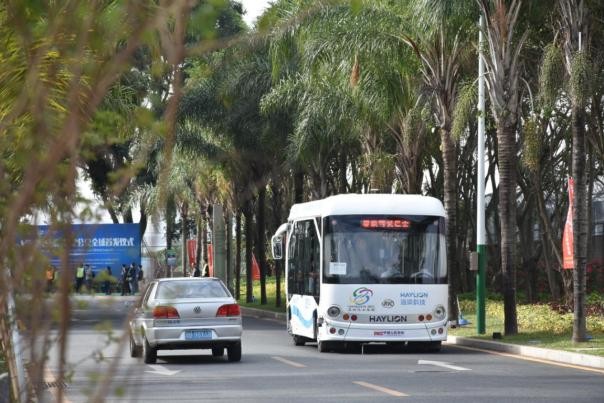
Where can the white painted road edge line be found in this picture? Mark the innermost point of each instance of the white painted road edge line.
(382, 389)
(288, 362)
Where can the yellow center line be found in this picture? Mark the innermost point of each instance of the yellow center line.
(539, 360)
(288, 362)
(382, 389)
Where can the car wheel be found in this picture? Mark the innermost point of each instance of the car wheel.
(234, 352)
(323, 346)
(149, 353)
(217, 351)
(135, 351)
(299, 340)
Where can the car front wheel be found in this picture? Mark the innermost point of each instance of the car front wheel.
(149, 353)
(234, 352)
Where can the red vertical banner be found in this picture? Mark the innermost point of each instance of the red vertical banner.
(568, 237)
(210, 260)
(255, 268)
(192, 251)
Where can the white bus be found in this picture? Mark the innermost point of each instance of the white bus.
(363, 268)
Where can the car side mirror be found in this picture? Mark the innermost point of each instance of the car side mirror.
(277, 247)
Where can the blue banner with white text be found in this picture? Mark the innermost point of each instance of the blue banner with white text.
(99, 245)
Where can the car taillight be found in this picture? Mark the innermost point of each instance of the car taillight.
(229, 310)
(165, 312)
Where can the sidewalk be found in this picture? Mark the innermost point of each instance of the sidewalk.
(559, 356)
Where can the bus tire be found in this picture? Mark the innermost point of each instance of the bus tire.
(299, 340)
(323, 346)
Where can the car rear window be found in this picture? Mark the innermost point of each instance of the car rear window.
(192, 289)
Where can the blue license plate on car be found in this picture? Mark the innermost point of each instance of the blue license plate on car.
(198, 334)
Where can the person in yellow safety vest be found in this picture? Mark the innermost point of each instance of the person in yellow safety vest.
(79, 277)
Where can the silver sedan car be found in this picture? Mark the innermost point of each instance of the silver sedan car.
(186, 313)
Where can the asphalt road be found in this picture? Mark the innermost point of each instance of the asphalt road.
(274, 370)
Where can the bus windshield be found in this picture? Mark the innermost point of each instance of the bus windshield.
(384, 250)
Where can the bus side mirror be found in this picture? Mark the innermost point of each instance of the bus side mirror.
(277, 247)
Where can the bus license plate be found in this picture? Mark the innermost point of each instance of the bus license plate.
(198, 334)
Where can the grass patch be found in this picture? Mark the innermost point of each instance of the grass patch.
(539, 325)
(271, 287)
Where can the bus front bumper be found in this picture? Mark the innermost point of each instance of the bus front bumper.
(383, 333)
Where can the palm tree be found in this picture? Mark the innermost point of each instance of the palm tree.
(503, 77)
(574, 22)
(439, 49)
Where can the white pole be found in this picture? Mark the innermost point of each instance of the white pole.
(480, 222)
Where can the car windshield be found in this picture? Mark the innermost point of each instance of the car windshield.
(191, 289)
(384, 250)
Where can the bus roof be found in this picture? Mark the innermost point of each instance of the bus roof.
(371, 204)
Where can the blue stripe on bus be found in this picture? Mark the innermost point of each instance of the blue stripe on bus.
(296, 312)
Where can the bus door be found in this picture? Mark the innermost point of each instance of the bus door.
(303, 277)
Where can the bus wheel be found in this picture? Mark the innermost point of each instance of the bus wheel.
(323, 346)
(299, 340)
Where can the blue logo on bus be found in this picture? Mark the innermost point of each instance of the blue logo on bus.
(361, 296)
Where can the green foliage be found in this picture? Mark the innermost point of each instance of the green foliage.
(466, 104)
(552, 69)
(532, 143)
(581, 78)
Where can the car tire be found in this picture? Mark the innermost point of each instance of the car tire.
(234, 352)
(149, 353)
(135, 351)
(217, 351)
(323, 346)
(299, 340)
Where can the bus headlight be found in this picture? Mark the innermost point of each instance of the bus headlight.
(333, 311)
(440, 312)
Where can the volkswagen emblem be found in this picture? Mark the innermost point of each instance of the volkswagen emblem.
(197, 309)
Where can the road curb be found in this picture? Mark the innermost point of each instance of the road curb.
(565, 357)
(261, 313)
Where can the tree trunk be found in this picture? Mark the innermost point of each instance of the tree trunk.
(229, 249)
(198, 251)
(276, 207)
(506, 135)
(238, 254)
(579, 224)
(204, 241)
(450, 190)
(260, 248)
(247, 214)
(184, 234)
(298, 186)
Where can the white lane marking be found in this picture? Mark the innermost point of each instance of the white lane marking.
(382, 389)
(161, 370)
(288, 362)
(443, 364)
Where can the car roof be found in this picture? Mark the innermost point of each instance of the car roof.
(165, 279)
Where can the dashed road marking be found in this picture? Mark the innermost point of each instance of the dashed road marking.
(382, 389)
(288, 362)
